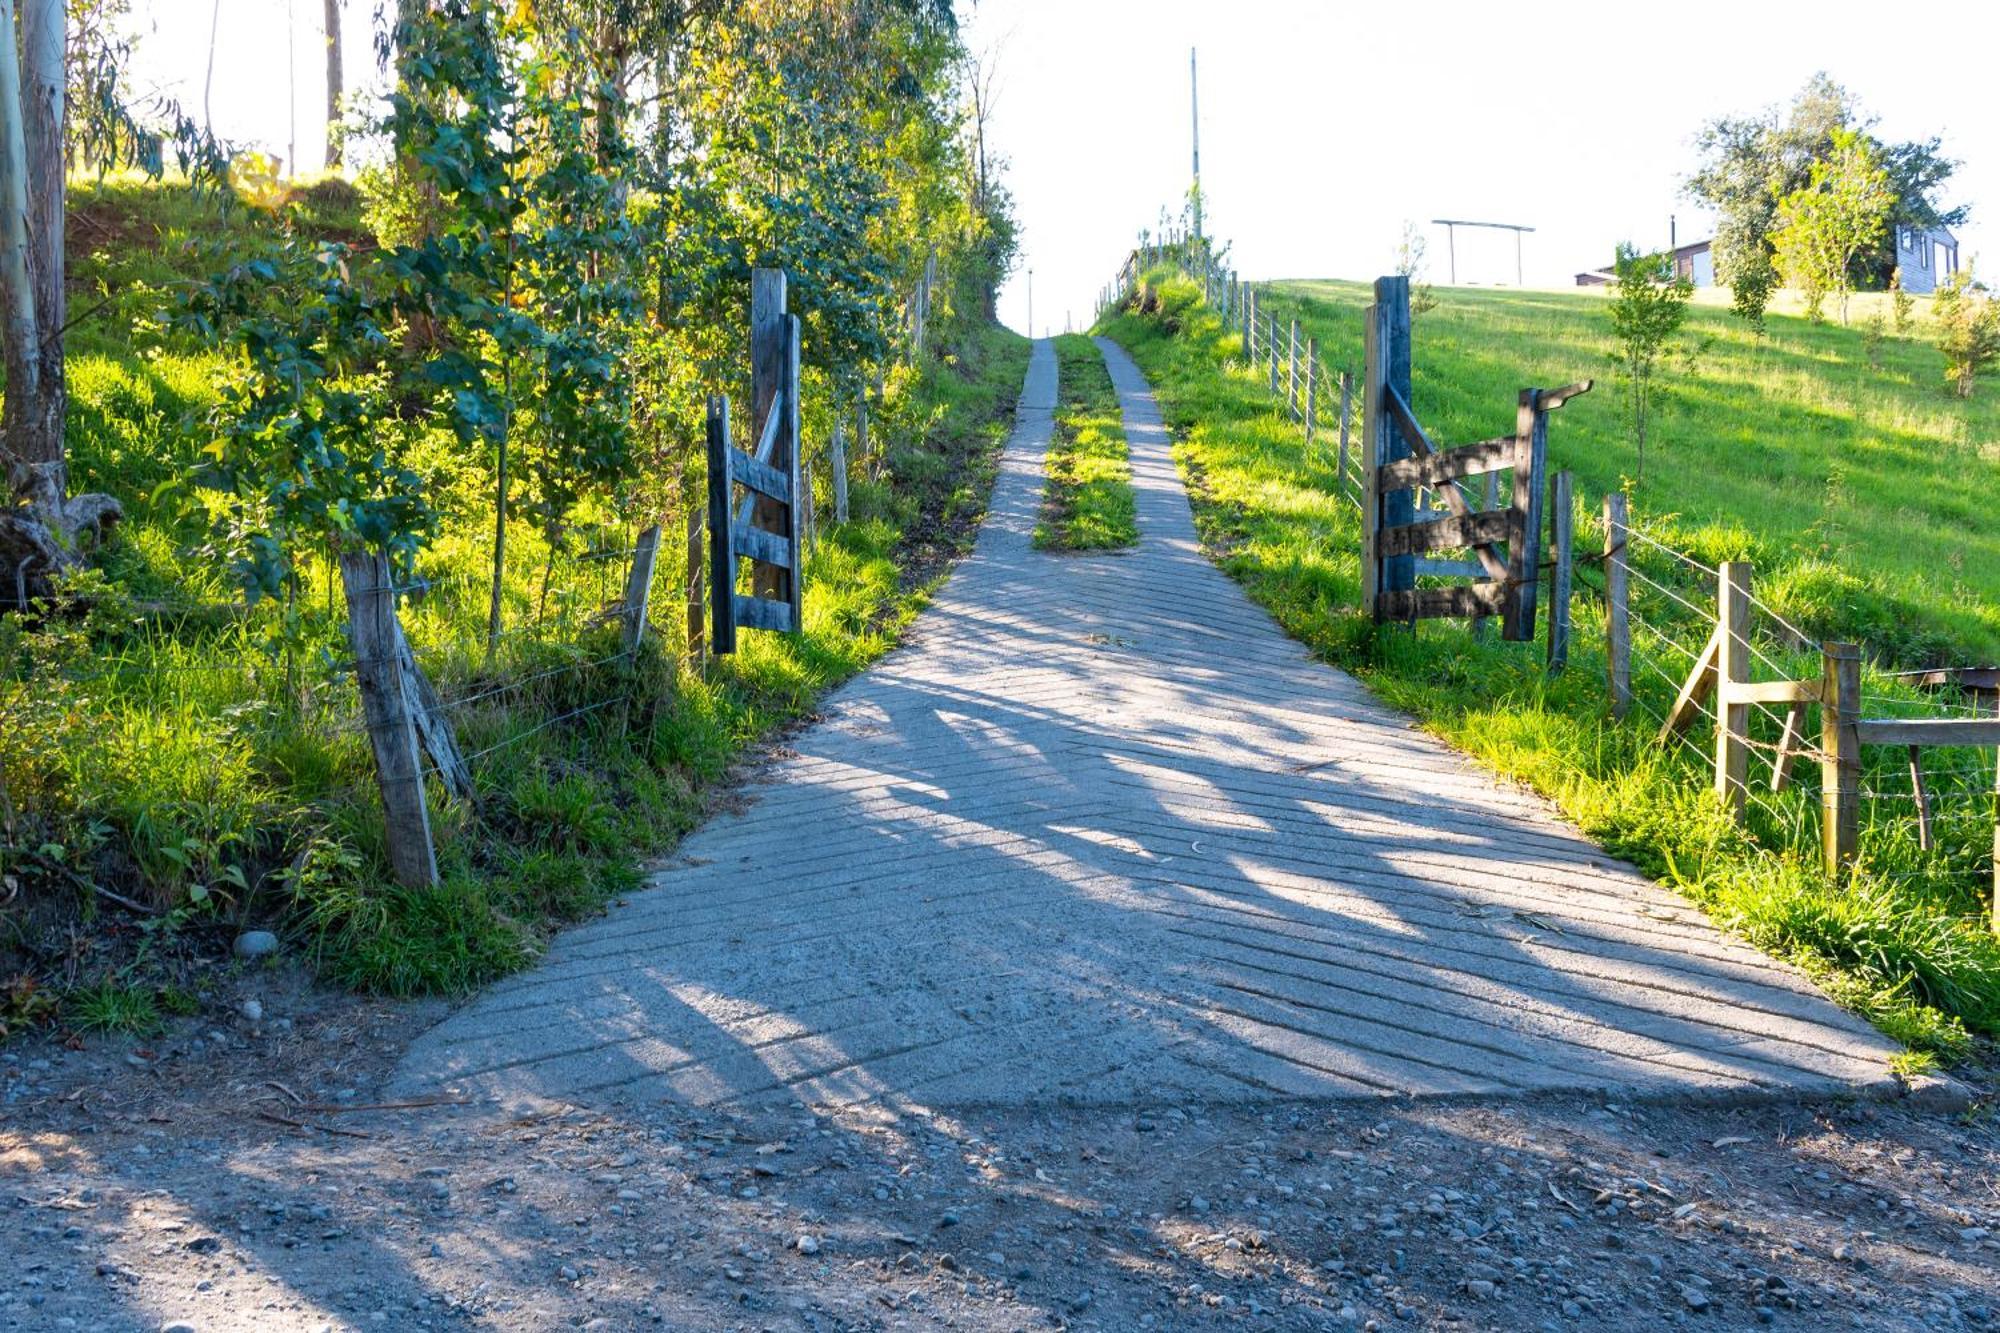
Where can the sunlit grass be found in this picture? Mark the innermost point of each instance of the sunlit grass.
(1906, 944)
(1088, 502)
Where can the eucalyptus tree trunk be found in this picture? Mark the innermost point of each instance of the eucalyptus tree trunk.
(40, 532)
(335, 83)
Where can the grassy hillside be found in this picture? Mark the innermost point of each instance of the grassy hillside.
(160, 752)
(1869, 499)
(1906, 943)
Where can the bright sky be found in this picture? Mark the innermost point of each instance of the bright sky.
(1325, 126)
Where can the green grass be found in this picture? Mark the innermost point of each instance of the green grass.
(156, 746)
(1862, 493)
(1088, 504)
(1905, 944)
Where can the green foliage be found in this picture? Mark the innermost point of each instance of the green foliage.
(1088, 502)
(1900, 300)
(1410, 264)
(1647, 311)
(1905, 945)
(1841, 210)
(1968, 330)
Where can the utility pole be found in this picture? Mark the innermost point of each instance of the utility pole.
(1194, 109)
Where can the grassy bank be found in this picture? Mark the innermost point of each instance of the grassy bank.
(1087, 505)
(1905, 944)
(1842, 468)
(172, 768)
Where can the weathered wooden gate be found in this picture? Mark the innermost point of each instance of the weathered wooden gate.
(1400, 543)
(763, 527)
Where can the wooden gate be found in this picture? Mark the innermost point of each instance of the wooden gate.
(1400, 542)
(764, 526)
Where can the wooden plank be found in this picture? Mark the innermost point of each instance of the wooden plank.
(433, 727)
(763, 613)
(1467, 460)
(1406, 423)
(770, 333)
(373, 632)
(1617, 603)
(1694, 692)
(1479, 599)
(697, 586)
(759, 477)
(1562, 519)
(758, 544)
(1840, 757)
(1772, 692)
(721, 560)
(1456, 532)
(1928, 731)
(638, 598)
(794, 463)
(1457, 569)
(1732, 667)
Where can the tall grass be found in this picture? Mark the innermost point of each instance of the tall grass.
(1904, 943)
(1088, 504)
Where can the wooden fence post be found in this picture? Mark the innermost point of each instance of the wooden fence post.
(1617, 605)
(1312, 391)
(791, 450)
(868, 467)
(1271, 347)
(770, 338)
(373, 631)
(1388, 369)
(1292, 369)
(839, 463)
(1732, 716)
(721, 560)
(697, 586)
(1346, 418)
(1249, 321)
(639, 585)
(1562, 520)
(1840, 750)
(1524, 554)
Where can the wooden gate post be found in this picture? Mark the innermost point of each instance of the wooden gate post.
(1524, 554)
(1617, 606)
(1732, 715)
(375, 635)
(770, 341)
(1840, 750)
(721, 559)
(1562, 519)
(1388, 369)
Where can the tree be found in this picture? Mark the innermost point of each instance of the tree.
(1900, 300)
(1410, 264)
(1824, 225)
(1968, 323)
(1647, 311)
(335, 84)
(41, 535)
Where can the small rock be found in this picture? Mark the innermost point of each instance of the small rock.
(1696, 1298)
(256, 944)
(177, 1326)
(806, 1244)
(252, 1010)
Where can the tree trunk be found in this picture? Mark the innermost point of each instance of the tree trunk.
(40, 534)
(334, 84)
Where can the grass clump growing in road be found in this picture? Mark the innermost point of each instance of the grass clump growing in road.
(1905, 943)
(1087, 505)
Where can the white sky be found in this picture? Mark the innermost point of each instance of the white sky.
(1324, 125)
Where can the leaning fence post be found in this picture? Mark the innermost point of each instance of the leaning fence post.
(1617, 605)
(639, 585)
(721, 559)
(1840, 751)
(373, 631)
(1732, 714)
(1312, 391)
(1562, 522)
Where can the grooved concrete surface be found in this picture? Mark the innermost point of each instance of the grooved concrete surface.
(1101, 833)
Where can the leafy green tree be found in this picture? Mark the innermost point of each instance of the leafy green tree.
(1647, 309)
(1968, 330)
(1900, 300)
(1839, 212)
